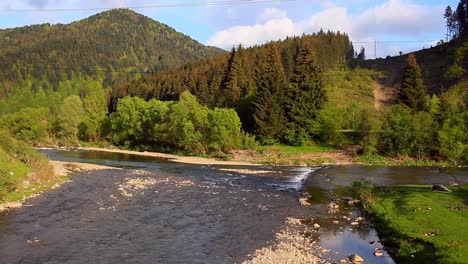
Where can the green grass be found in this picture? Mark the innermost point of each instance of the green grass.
(404, 214)
(33, 189)
(295, 150)
(354, 86)
(23, 171)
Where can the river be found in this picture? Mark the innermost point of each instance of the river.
(191, 213)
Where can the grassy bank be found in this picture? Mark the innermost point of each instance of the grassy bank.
(23, 171)
(421, 225)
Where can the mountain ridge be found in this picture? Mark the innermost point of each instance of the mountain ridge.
(118, 39)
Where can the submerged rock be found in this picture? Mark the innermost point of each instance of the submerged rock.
(440, 187)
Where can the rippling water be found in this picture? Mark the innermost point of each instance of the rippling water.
(223, 218)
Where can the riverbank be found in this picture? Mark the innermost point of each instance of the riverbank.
(61, 175)
(174, 158)
(420, 225)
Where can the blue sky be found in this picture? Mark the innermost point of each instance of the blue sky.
(256, 23)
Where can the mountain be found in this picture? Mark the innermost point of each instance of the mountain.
(106, 44)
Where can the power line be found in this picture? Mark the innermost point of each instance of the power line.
(190, 4)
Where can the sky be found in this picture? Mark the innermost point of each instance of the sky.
(392, 23)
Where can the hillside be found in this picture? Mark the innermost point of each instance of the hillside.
(436, 63)
(106, 44)
(209, 79)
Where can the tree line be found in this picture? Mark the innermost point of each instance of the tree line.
(456, 21)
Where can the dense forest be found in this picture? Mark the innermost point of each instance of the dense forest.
(301, 90)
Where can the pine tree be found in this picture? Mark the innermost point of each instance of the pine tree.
(413, 92)
(268, 115)
(305, 94)
(461, 19)
(362, 54)
(448, 15)
(230, 90)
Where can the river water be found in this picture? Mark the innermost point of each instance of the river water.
(222, 218)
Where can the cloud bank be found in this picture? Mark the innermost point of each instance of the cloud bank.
(397, 18)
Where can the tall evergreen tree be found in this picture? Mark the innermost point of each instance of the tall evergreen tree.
(461, 18)
(362, 54)
(268, 114)
(448, 15)
(413, 92)
(305, 94)
(230, 90)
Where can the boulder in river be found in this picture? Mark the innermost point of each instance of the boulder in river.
(356, 259)
(440, 187)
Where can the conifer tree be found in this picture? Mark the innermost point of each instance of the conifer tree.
(230, 90)
(268, 115)
(413, 92)
(305, 94)
(362, 54)
(448, 15)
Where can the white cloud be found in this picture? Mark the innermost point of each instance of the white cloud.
(250, 35)
(397, 18)
(270, 14)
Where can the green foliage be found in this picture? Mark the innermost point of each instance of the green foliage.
(185, 125)
(327, 126)
(407, 133)
(304, 96)
(456, 70)
(413, 92)
(453, 136)
(29, 124)
(95, 106)
(70, 117)
(368, 126)
(268, 114)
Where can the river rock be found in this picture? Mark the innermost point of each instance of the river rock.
(350, 201)
(304, 201)
(356, 259)
(378, 252)
(440, 187)
(316, 226)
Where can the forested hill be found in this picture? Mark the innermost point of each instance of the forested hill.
(232, 79)
(442, 65)
(106, 44)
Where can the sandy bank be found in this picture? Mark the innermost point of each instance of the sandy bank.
(175, 158)
(66, 168)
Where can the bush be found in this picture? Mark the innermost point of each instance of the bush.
(363, 190)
